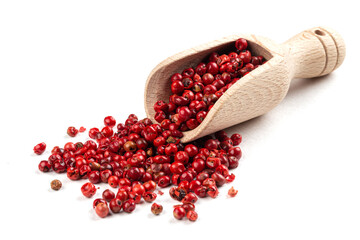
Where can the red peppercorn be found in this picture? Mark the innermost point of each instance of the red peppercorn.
(94, 177)
(236, 139)
(40, 148)
(241, 44)
(171, 149)
(107, 131)
(176, 77)
(59, 166)
(73, 173)
(179, 212)
(207, 78)
(233, 162)
(149, 196)
(184, 114)
(134, 196)
(177, 193)
(183, 185)
(97, 201)
(219, 179)
(129, 206)
(177, 87)
(72, 131)
(236, 152)
(182, 156)
(212, 68)
(213, 162)
(44, 166)
(109, 121)
(159, 116)
(93, 133)
(177, 167)
(108, 195)
(212, 191)
(190, 198)
(88, 190)
(122, 195)
(209, 182)
(104, 175)
(201, 191)
(189, 72)
(102, 209)
(115, 205)
(113, 181)
(69, 147)
(245, 57)
(194, 184)
(150, 186)
(156, 209)
(192, 215)
(211, 144)
(139, 189)
(201, 69)
(164, 181)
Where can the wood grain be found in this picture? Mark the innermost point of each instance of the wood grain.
(311, 53)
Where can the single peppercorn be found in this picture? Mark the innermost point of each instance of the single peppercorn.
(73, 173)
(156, 209)
(138, 189)
(108, 195)
(236, 139)
(72, 131)
(44, 166)
(102, 210)
(149, 196)
(40, 148)
(241, 44)
(113, 181)
(55, 184)
(97, 201)
(179, 212)
(192, 215)
(115, 205)
(109, 121)
(88, 190)
(129, 206)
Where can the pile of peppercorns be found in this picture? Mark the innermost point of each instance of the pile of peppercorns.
(195, 90)
(141, 155)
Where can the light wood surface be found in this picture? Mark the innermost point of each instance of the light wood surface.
(311, 53)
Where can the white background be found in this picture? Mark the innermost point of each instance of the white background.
(66, 63)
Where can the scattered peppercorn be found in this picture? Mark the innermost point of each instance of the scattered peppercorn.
(88, 190)
(102, 210)
(40, 148)
(192, 215)
(72, 131)
(156, 209)
(55, 184)
(179, 212)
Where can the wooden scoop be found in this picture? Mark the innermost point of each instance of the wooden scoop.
(312, 53)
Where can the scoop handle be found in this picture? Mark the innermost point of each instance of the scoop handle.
(315, 52)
